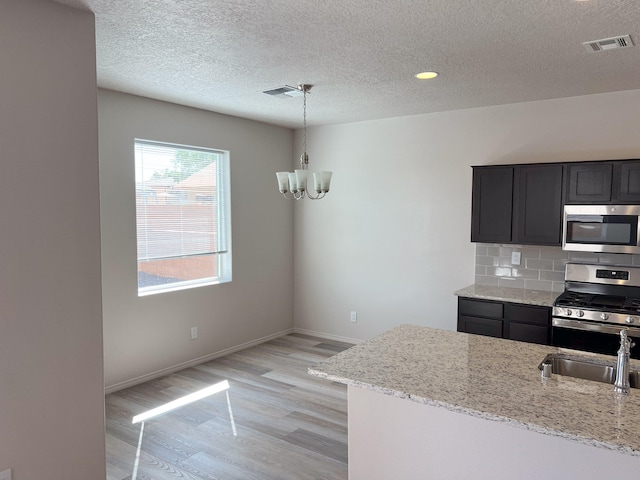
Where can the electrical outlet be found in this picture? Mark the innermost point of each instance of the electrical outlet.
(354, 317)
(194, 335)
(515, 258)
(6, 475)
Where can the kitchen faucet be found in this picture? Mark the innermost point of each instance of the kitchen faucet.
(622, 384)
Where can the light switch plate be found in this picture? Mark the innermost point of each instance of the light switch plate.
(6, 475)
(515, 258)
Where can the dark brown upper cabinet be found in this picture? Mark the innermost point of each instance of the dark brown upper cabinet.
(517, 204)
(492, 204)
(627, 182)
(603, 182)
(589, 182)
(537, 201)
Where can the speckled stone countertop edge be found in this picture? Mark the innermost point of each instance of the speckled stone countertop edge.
(422, 354)
(508, 294)
(475, 413)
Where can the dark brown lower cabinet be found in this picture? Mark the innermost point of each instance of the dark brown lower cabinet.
(526, 323)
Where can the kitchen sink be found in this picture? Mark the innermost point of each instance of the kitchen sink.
(587, 368)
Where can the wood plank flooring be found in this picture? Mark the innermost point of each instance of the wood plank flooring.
(286, 424)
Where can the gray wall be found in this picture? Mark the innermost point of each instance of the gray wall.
(51, 385)
(147, 336)
(392, 240)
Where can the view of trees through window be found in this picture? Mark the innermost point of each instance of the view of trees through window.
(180, 216)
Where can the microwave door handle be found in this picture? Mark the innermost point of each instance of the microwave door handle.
(593, 327)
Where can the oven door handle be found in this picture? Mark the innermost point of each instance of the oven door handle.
(593, 327)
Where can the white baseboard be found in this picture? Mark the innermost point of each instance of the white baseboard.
(166, 371)
(328, 336)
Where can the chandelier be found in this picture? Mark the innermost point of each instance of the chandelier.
(293, 185)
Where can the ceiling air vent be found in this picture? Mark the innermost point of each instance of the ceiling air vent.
(285, 92)
(609, 43)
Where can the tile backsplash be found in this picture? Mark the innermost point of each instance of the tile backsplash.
(541, 268)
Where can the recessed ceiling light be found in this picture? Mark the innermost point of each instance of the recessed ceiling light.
(426, 75)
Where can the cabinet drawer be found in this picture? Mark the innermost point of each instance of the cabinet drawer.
(480, 326)
(480, 308)
(528, 333)
(528, 314)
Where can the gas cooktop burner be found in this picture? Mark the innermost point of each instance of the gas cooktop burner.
(598, 302)
(573, 299)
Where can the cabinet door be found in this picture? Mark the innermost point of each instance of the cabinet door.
(491, 209)
(627, 182)
(589, 183)
(481, 326)
(537, 204)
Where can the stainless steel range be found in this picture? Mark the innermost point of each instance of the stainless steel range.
(597, 303)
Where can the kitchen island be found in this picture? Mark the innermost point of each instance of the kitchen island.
(426, 403)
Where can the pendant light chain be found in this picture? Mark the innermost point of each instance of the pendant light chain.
(304, 159)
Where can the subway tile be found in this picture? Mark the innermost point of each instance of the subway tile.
(499, 271)
(511, 282)
(553, 253)
(539, 264)
(483, 280)
(504, 261)
(551, 276)
(525, 273)
(506, 251)
(584, 257)
(558, 287)
(615, 259)
(481, 249)
(538, 285)
(489, 261)
(560, 265)
(481, 270)
(531, 252)
(493, 251)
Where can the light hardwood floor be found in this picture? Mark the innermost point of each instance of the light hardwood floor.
(287, 424)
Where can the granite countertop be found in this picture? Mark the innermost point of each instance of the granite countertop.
(508, 294)
(490, 378)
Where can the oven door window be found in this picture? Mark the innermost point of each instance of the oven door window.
(602, 229)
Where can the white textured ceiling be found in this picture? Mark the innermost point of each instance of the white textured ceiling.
(361, 55)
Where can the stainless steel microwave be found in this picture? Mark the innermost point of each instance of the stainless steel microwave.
(601, 228)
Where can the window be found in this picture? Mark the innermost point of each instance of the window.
(182, 216)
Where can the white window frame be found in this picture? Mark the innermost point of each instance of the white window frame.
(222, 214)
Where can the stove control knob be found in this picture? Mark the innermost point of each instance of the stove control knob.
(580, 313)
(569, 312)
(604, 316)
(630, 319)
